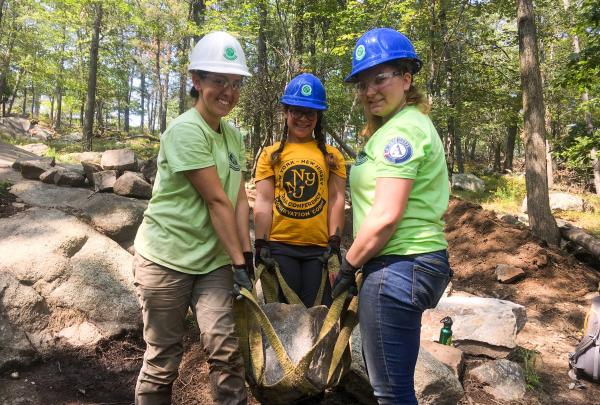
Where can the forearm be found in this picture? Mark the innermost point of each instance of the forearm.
(224, 221)
(374, 233)
(335, 219)
(263, 219)
(242, 216)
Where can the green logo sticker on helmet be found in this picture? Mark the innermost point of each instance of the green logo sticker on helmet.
(360, 52)
(229, 53)
(306, 90)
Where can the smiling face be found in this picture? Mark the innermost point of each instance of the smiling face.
(382, 89)
(218, 94)
(301, 123)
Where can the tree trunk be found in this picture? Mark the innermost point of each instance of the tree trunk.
(549, 165)
(511, 137)
(159, 86)
(198, 11)
(82, 113)
(596, 169)
(59, 81)
(88, 124)
(182, 50)
(260, 116)
(581, 238)
(164, 105)
(14, 93)
(142, 95)
(24, 106)
(432, 65)
(127, 108)
(497, 156)
(542, 222)
(51, 108)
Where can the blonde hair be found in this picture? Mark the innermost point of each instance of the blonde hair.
(414, 97)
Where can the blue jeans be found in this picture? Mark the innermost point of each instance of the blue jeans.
(395, 292)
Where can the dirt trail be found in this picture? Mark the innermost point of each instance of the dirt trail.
(556, 293)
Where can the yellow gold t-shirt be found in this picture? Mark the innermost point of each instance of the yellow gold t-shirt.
(301, 191)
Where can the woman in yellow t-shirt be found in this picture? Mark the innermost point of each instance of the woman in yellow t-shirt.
(300, 184)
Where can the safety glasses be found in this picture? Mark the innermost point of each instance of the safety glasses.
(306, 113)
(377, 82)
(223, 82)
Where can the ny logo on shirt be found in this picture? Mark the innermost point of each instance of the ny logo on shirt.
(300, 182)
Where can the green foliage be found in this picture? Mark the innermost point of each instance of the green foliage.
(4, 186)
(528, 359)
(574, 149)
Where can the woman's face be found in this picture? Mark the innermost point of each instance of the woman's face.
(301, 123)
(219, 93)
(382, 89)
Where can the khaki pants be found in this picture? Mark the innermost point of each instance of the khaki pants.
(165, 296)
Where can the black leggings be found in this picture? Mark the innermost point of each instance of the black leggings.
(302, 271)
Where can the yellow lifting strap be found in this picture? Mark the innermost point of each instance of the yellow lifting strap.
(253, 327)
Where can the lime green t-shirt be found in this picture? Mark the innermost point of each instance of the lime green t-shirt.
(177, 231)
(407, 147)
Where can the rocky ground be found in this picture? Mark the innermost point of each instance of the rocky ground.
(555, 290)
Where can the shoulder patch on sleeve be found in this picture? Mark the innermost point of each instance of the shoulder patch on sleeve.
(398, 150)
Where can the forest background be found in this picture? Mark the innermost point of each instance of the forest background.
(118, 68)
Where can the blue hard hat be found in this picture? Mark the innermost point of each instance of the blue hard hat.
(305, 90)
(381, 45)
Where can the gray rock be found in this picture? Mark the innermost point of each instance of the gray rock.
(69, 178)
(94, 157)
(450, 356)
(49, 175)
(149, 169)
(104, 180)
(503, 379)
(508, 274)
(435, 383)
(32, 169)
(561, 202)
(467, 181)
(482, 326)
(115, 216)
(119, 159)
(131, 184)
(89, 168)
(15, 127)
(41, 133)
(38, 149)
(19, 161)
(510, 219)
(75, 290)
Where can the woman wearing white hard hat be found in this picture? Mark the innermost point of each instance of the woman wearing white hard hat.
(193, 246)
(399, 186)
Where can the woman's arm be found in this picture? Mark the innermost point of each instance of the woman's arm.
(263, 208)
(391, 197)
(242, 217)
(206, 182)
(337, 202)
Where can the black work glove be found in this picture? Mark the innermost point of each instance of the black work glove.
(240, 280)
(262, 254)
(345, 279)
(249, 262)
(333, 248)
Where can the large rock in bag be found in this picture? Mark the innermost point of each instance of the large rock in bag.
(115, 216)
(482, 326)
(298, 329)
(435, 383)
(75, 290)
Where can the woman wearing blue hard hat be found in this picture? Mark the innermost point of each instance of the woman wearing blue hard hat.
(300, 183)
(193, 246)
(399, 186)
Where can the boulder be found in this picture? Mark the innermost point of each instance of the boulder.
(435, 383)
(508, 274)
(69, 178)
(482, 326)
(131, 184)
(148, 169)
(450, 356)
(104, 180)
(15, 127)
(503, 379)
(38, 149)
(115, 216)
(89, 168)
(119, 159)
(94, 157)
(20, 160)
(75, 290)
(562, 202)
(49, 175)
(33, 168)
(41, 133)
(467, 181)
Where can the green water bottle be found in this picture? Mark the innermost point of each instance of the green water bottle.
(446, 331)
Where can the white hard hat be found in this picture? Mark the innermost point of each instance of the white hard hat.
(219, 52)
